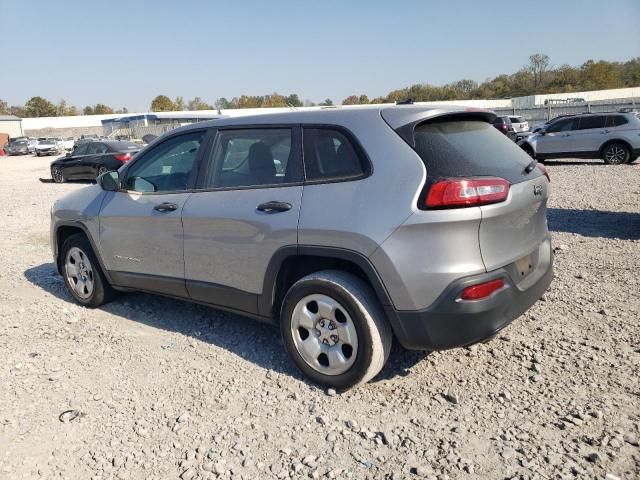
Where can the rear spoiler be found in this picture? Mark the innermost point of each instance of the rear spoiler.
(404, 120)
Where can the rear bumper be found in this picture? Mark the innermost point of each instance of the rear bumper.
(450, 323)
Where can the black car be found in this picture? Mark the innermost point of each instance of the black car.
(89, 160)
(17, 147)
(504, 125)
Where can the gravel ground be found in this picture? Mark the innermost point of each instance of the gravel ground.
(163, 389)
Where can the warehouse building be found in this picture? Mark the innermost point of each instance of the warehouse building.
(10, 126)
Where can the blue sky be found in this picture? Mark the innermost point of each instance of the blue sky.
(123, 53)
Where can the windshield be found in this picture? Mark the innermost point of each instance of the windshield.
(46, 142)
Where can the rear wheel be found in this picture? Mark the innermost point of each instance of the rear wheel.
(334, 329)
(102, 170)
(82, 273)
(616, 153)
(57, 175)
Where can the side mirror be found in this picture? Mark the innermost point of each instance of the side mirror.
(68, 154)
(542, 132)
(110, 181)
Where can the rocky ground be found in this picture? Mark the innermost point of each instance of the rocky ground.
(162, 389)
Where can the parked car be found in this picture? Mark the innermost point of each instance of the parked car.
(48, 146)
(17, 147)
(68, 144)
(519, 124)
(91, 159)
(32, 142)
(503, 124)
(406, 227)
(614, 137)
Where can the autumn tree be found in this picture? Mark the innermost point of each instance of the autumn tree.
(538, 64)
(40, 107)
(4, 107)
(101, 109)
(198, 104)
(162, 103)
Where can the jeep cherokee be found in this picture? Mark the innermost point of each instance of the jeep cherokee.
(345, 227)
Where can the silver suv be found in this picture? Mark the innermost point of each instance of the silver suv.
(344, 227)
(614, 137)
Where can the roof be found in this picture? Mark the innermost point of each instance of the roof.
(9, 118)
(394, 115)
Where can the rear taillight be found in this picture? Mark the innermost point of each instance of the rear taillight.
(123, 157)
(544, 171)
(482, 290)
(466, 192)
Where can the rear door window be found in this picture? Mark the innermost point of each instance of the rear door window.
(468, 148)
(594, 121)
(616, 120)
(329, 154)
(254, 157)
(80, 149)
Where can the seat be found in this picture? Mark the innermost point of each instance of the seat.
(261, 166)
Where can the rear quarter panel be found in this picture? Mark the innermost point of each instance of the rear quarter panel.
(359, 215)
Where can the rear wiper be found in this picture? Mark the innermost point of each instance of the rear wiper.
(529, 168)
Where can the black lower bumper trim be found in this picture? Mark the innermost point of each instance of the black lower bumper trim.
(450, 323)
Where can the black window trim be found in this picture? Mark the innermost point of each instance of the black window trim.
(365, 161)
(296, 143)
(195, 172)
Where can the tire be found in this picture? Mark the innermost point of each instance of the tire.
(616, 153)
(82, 273)
(360, 346)
(528, 150)
(37, 154)
(102, 170)
(57, 174)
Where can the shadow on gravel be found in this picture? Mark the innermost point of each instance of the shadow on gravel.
(251, 340)
(595, 223)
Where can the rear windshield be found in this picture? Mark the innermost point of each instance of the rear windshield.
(517, 119)
(468, 148)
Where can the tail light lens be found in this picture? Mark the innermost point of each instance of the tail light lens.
(122, 157)
(467, 192)
(482, 290)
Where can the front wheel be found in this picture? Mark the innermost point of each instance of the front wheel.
(616, 154)
(57, 175)
(528, 150)
(334, 329)
(82, 273)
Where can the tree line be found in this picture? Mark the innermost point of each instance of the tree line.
(41, 107)
(536, 77)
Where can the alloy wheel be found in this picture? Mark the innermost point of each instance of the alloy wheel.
(324, 334)
(615, 154)
(56, 174)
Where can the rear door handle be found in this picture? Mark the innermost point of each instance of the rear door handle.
(166, 207)
(273, 207)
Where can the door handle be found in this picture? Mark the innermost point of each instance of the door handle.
(604, 131)
(166, 207)
(273, 207)
(565, 135)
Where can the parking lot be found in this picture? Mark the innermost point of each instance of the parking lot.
(165, 389)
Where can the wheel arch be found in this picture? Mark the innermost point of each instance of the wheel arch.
(63, 231)
(289, 264)
(616, 140)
